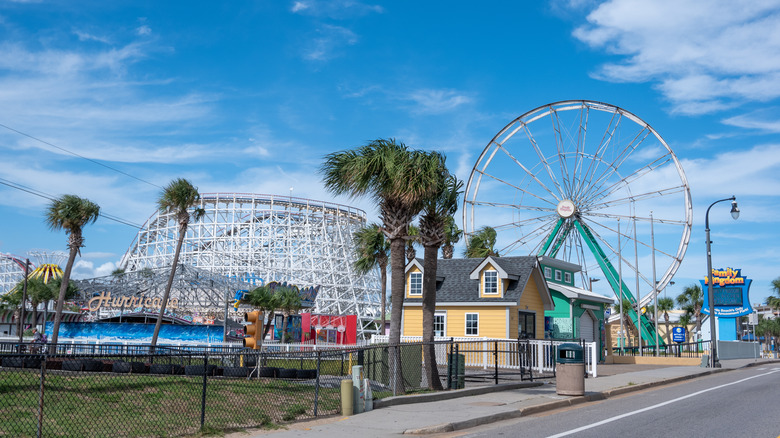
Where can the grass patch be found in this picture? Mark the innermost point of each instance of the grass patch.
(128, 405)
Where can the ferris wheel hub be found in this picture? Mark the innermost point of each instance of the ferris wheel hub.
(566, 208)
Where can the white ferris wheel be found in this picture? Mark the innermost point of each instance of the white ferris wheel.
(588, 183)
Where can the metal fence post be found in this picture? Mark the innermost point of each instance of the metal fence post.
(317, 384)
(40, 397)
(203, 399)
(495, 360)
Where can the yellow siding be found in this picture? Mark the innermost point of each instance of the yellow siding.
(531, 300)
(408, 285)
(501, 283)
(412, 321)
(492, 321)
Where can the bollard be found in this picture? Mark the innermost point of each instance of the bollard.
(369, 395)
(358, 390)
(346, 397)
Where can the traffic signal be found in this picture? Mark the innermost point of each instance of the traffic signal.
(253, 330)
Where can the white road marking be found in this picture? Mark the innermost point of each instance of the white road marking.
(639, 411)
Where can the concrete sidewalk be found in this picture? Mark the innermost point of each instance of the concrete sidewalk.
(462, 409)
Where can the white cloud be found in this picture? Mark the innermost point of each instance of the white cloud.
(84, 36)
(433, 101)
(338, 9)
(330, 40)
(704, 57)
(143, 30)
(86, 269)
(765, 119)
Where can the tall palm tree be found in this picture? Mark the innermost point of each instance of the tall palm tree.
(69, 213)
(412, 237)
(481, 244)
(434, 216)
(452, 235)
(386, 171)
(691, 300)
(664, 306)
(372, 251)
(178, 198)
(685, 321)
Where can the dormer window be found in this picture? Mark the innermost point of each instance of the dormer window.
(415, 283)
(491, 282)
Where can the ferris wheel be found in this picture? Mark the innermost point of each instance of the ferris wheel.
(588, 183)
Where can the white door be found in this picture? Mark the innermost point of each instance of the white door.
(587, 328)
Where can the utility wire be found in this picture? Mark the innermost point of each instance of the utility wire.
(18, 186)
(80, 156)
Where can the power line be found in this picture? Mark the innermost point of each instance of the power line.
(80, 156)
(32, 191)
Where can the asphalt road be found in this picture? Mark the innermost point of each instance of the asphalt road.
(740, 403)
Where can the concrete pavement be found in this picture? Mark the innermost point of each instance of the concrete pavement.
(462, 409)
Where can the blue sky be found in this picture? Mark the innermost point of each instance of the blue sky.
(112, 100)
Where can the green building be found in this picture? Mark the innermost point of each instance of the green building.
(578, 312)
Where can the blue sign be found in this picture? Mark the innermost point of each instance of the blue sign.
(730, 293)
(678, 334)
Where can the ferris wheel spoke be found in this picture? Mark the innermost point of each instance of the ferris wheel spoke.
(582, 131)
(606, 140)
(516, 187)
(614, 166)
(565, 177)
(542, 158)
(638, 218)
(634, 198)
(532, 235)
(639, 241)
(630, 178)
(512, 206)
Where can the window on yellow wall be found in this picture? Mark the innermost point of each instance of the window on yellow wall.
(491, 282)
(415, 283)
(439, 325)
(472, 324)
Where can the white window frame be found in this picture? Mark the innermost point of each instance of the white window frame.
(485, 282)
(413, 283)
(567, 277)
(467, 325)
(558, 275)
(443, 316)
(548, 272)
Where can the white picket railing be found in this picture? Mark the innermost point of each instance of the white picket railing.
(542, 358)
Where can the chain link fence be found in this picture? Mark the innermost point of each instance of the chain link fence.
(89, 391)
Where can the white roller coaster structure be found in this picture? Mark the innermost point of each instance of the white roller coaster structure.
(273, 238)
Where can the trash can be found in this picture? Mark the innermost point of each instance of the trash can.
(570, 370)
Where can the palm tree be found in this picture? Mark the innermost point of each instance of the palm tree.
(432, 222)
(481, 244)
(71, 213)
(389, 173)
(266, 301)
(177, 198)
(691, 300)
(685, 321)
(774, 302)
(627, 324)
(289, 304)
(412, 237)
(372, 251)
(664, 306)
(452, 235)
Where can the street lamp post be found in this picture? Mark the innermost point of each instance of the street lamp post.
(714, 363)
(592, 280)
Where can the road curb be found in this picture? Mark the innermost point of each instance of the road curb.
(553, 405)
(448, 395)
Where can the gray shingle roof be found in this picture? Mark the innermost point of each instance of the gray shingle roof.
(458, 287)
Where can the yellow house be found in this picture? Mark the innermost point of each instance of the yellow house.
(495, 297)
